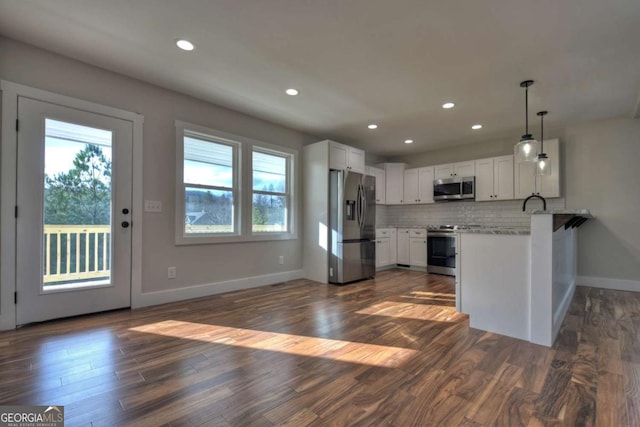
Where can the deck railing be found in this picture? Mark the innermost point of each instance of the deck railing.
(76, 252)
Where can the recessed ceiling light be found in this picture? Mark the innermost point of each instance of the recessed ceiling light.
(475, 127)
(292, 92)
(448, 105)
(185, 44)
(408, 141)
(373, 126)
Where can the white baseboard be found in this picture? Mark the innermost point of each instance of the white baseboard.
(171, 295)
(607, 283)
(561, 311)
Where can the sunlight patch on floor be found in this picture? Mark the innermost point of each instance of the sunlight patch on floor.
(411, 311)
(299, 345)
(432, 296)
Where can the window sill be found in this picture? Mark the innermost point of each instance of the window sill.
(214, 240)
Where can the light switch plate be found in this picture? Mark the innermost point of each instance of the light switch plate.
(152, 206)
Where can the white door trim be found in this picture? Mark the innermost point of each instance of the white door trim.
(8, 172)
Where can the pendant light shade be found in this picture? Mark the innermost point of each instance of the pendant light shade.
(527, 149)
(543, 163)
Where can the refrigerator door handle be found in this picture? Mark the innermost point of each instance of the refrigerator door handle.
(363, 203)
(359, 207)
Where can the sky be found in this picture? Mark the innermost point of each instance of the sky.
(59, 154)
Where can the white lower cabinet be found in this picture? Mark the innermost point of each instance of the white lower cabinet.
(418, 248)
(403, 246)
(412, 247)
(385, 247)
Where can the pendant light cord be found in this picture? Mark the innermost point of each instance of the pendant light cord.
(526, 110)
(542, 134)
(542, 114)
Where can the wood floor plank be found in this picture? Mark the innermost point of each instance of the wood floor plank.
(612, 403)
(389, 351)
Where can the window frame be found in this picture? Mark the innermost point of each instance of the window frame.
(243, 187)
(289, 159)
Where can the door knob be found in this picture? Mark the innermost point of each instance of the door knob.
(125, 224)
(125, 211)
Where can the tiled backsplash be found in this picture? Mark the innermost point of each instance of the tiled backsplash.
(506, 213)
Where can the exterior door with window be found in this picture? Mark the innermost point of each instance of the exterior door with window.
(73, 242)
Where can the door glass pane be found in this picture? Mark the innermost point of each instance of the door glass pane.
(77, 206)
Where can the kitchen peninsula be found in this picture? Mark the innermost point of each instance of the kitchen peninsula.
(519, 282)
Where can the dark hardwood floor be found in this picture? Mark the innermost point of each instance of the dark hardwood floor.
(389, 351)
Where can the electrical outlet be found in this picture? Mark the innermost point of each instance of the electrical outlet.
(153, 206)
(171, 273)
(281, 260)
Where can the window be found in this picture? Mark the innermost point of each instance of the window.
(209, 199)
(270, 200)
(231, 188)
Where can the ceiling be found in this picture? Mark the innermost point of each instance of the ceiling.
(356, 62)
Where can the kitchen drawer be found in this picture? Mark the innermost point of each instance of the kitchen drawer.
(384, 232)
(418, 232)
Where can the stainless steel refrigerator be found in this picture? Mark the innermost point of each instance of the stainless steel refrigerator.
(352, 227)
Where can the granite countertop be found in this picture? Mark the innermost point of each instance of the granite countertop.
(513, 230)
(581, 212)
(517, 231)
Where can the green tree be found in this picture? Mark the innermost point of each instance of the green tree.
(81, 195)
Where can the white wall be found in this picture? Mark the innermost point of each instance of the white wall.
(602, 164)
(196, 264)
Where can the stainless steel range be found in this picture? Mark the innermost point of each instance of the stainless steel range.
(441, 248)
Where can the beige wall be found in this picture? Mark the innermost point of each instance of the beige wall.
(196, 264)
(602, 164)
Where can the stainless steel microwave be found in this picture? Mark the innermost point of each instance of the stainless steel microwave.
(458, 188)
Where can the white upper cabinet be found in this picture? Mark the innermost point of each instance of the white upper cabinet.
(343, 157)
(418, 185)
(484, 179)
(494, 178)
(410, 191)
(444, 171)
(355, 160)
(452, 170)
(527, 183)
(425, 184)
(503, 177)
(381, 183)
(394, 175)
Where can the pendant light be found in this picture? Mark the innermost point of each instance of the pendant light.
(527, 149)
(543, 163)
